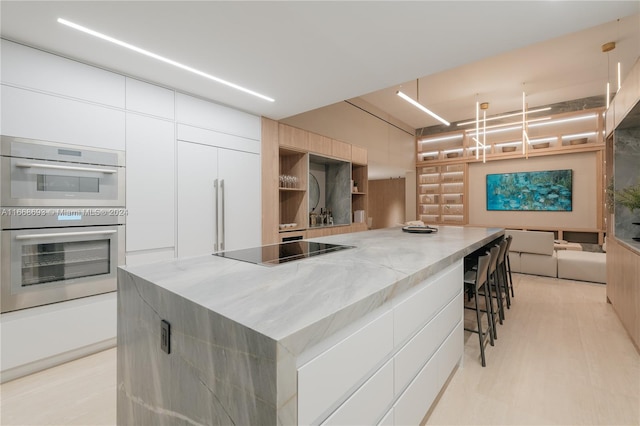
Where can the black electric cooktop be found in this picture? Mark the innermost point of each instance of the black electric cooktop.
(281, 253)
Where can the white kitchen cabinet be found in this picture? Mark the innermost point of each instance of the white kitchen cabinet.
(150, 99)
(204, 173)
(389, 368)
(368, 403)
(28, 68)
(197, 211)
(240, 172)
(327, 378)
(150, 185)
(209, 115)
(36, 115)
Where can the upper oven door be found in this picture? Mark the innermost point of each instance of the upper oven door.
(56, 175)
(48, 265)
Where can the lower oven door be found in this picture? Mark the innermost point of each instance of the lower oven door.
(48, 265)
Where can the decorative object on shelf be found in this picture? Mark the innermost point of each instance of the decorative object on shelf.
(453, 154)
(540, 145)
(508, 148)
(421, 107)
(578, 141)
(314, 192)
(287, 181)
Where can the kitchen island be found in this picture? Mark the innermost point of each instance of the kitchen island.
(365, 335)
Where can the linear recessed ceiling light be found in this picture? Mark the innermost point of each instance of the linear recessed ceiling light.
(422, 108)
(161, 58)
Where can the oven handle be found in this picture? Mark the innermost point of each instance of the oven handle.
(54, 166)
(64, 234)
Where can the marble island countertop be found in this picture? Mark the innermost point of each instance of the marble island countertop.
(291, 302)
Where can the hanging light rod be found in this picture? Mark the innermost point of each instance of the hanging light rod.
(422, 108)
(497, 117)
(161, 58)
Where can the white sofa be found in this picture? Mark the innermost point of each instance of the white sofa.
(532, 252)
(582, 265)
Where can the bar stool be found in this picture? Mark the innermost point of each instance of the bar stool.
(494, 285)
(475, 280)
(507, 263)
(501, 271)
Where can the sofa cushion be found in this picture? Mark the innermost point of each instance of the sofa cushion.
(582, 265)
(536, 242)
(537, 264)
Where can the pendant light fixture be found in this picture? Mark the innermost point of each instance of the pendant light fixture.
(606, 48)
(416, 103)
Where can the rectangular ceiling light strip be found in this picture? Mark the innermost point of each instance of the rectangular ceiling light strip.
(423, 108)
(161, 58)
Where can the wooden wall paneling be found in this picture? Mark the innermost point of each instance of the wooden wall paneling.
(293, 137)
(341, 150)
(319, 144)
(359, 155)
(270, 183)
(386, 202)
(623, 286)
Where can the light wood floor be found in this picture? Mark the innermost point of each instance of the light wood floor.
(562, 358)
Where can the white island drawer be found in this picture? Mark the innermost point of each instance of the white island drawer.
(414, 403)
(325, 380)
(366, 405)
(412, 357)
(423, 303)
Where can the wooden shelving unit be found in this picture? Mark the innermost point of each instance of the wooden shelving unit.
(443, 159)
(441, 198)
(293, 196)
(292, 149)
(359, 199)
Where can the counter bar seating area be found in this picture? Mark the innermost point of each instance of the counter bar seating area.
(488, 274)
(475, 280)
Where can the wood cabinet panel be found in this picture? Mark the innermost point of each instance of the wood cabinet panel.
(358, 155)
(270, 164)
(340, 150)
(319, 144)
(293, 138)
(623, 286)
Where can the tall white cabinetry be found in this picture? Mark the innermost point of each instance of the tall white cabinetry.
(218, 178)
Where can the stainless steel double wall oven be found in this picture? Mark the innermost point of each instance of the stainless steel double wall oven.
(62, 217)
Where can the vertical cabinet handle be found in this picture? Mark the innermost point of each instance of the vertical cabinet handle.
(222, 236)
(215, 216)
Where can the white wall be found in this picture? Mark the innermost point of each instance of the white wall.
(583, 216)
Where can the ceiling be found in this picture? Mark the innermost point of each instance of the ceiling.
(307, 55)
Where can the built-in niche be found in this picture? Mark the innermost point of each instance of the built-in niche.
(626, 152)
(333, 178)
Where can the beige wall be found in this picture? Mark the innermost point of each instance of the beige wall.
(583, 216)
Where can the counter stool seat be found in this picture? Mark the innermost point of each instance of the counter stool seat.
(476, 283)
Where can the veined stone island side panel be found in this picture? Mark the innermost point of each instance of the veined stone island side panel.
(219, 372)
